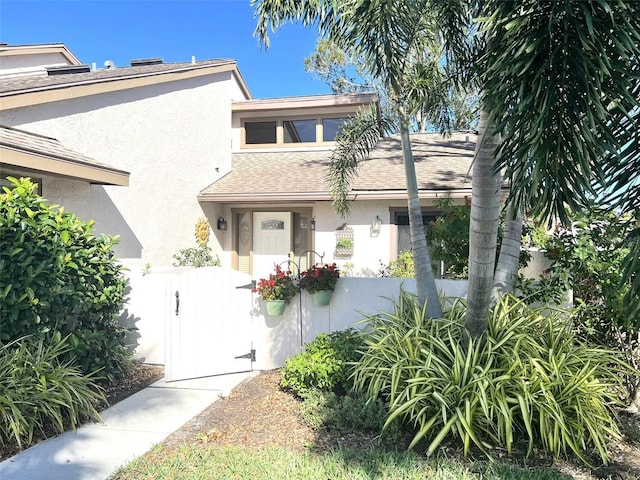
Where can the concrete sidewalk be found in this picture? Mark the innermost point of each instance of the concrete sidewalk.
(128, 429)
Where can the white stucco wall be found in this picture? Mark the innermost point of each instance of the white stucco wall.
(368, 248)
(174, 140)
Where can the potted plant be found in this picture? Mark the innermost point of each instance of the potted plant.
(320, 281)
(344, 246)
(277, 290)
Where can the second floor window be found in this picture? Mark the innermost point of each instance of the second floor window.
(277, 132)
(331, 127)
(260, 132)
(299, 131)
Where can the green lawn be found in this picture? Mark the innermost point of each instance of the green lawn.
(206, 462)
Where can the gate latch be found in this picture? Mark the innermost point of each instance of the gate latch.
(177, 302)
(251, 355)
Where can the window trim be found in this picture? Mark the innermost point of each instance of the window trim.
(280, 143)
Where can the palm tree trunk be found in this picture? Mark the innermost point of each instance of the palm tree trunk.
(425, 281)
(506, 274)
(483, 229)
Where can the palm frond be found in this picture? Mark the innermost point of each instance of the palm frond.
(555, 74)
(353, 144)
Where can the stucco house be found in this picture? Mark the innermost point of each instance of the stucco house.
(147, 149)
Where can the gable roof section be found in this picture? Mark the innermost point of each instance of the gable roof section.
(29, 151)
(442, 167)
(32, 90)
(38, 49)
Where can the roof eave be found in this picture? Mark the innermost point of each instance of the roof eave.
(50, 165)
(325, 196)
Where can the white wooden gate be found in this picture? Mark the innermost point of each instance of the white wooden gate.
(208, 330)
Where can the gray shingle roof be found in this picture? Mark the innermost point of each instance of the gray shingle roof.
(442, 164)
(32, 143)
(11, 86)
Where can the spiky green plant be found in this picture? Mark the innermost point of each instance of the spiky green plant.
(528, 378)
(38, 393)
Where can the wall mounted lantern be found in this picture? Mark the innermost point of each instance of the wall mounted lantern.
(312, 223)
(222, 223)
(376, 225)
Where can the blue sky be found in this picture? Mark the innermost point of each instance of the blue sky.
(121, 30)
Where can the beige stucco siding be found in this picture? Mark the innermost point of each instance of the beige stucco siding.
(171, 137)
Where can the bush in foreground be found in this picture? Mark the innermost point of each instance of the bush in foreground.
(326, 364)
(38, 394)
(527, 379)
(57, 279)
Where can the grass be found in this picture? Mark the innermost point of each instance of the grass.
(200, 462)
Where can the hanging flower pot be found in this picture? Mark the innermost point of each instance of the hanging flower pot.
(276, 307)
(322, 298)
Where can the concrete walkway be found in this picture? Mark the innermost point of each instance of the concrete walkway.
(128, 430)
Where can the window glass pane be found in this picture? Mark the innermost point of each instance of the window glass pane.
(244, 241)
(260, 132)
(298, 131)
(272, 224)
(331, 127)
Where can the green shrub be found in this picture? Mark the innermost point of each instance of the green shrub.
(323, 410)
(57, 279)
(200, 256)
(38, 393)
(326, 363)
(527, 379)
(589, 258)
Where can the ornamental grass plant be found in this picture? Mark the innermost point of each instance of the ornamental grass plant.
(41, 395)
(319, 277)
(528, 379)
(279, 286)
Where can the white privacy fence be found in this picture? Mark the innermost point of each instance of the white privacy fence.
(151, 308)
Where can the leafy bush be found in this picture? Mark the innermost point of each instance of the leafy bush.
(57, 279)
(197, 257)
(400, 268)
(323, 410)
(588, 257)
(448, 237)
(38, 393)
(326, 363)
(528, 378)
(200, 256)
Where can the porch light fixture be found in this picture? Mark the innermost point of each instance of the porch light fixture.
(376, 225)
(312, 223)
(222, 223)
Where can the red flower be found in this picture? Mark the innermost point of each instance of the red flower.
(279, 286)
(320, 277)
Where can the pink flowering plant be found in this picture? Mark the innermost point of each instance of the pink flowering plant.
(279, 286)
(321, 276)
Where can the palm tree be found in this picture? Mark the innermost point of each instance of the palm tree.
(393, 53)
(559, 87)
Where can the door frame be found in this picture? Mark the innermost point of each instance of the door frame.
(302, 210)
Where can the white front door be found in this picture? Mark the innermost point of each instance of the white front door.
(271, 241)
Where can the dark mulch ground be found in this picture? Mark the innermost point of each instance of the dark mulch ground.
(258, 414)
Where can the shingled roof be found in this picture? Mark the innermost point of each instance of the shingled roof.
(31, 83)
(26, 150)
(442, 165)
